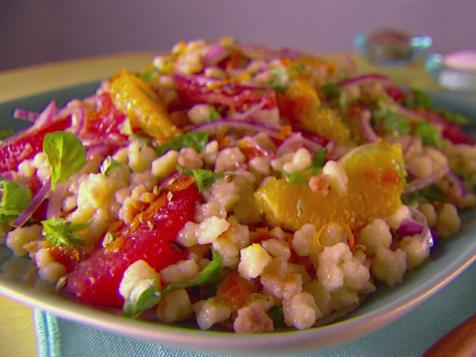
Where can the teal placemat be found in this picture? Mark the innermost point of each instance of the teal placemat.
(408, 336)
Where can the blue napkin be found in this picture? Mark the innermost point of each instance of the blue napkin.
(408, 336)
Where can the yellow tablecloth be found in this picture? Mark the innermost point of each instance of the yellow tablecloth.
(17, 336)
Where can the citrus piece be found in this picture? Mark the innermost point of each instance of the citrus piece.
(375, 182)
(300, 102)
(142, 106)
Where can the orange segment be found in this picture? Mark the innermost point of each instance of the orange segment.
(301, 103)
(375, 182)
(142, 106)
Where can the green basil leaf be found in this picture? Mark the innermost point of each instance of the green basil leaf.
(151, 297)
(203, 178)
(66, 155)
(15, 198)
(61, 232)
(196, 140)
(429, 134)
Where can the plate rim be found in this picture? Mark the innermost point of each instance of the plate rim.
(213, 341)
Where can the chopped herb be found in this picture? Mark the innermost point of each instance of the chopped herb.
(151, 297)
(108, 164)
(428, 194)
(454, 117)
(15, 198)
(214, 115)
(295, 178)
(299, 68)
(203, 178)
(196, 140)
(330, 91)
(318, 160)
(429, 134)
(66, 155)
(61, 232)
(418, 99)
(279, 78)
(5, 133)
(391, 122)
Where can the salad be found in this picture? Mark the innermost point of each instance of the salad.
(238, 187)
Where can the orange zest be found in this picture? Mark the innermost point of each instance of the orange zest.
(344, 226)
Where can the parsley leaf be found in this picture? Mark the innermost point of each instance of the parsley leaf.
(66, 155)
(196, 140)
(330, 91)
(214, 115)
(279, 78)
(61, 232)
(318, 160)
(5, 133)
(203, 178)
(108, 164)
(428, 194)
(418, 99)
(429, 134)
(15, 198)
(391, 122)
(151, 297)
(294, 178)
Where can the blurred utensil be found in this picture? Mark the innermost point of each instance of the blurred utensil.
(461, 341)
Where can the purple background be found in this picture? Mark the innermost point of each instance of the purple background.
(38, 31)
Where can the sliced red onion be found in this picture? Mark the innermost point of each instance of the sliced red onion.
(458, 183)
(168, 180)
(362, 79)
(427, 234)
(78, 118)
(316, 138)
(56, 199)
(214, 54)
(250, 112)
(410, 114)
(25, 114)
(237, 96)
(421, 183)
(367, 130)
(409, 227)
(292, 143)
(33, 206)
(47, 115)
(9, 175)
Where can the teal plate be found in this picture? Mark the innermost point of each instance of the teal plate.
(449, 258)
